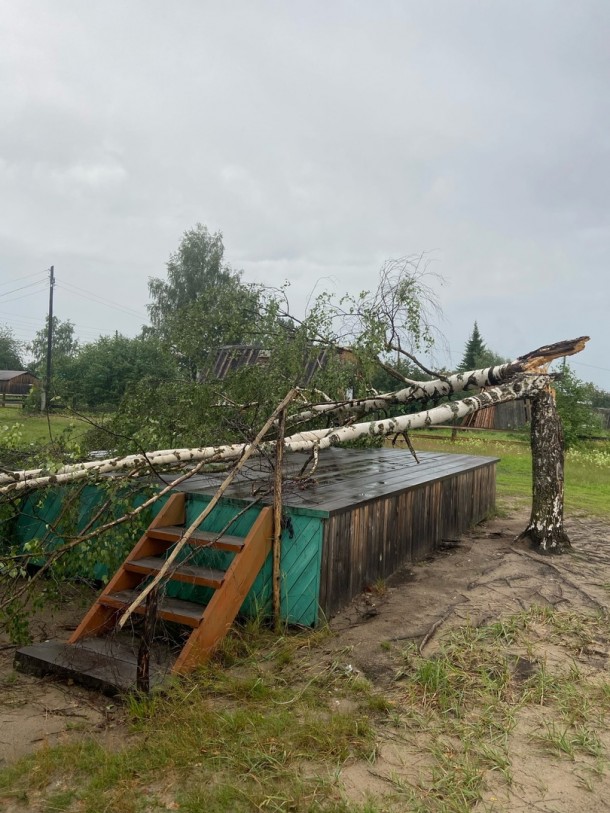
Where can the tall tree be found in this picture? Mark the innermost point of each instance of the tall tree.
(475, 347)
(476, 353)
(10, 352)
(574, 407)
(203, 304)
(104, 370)
(65, 348)
(65, 345)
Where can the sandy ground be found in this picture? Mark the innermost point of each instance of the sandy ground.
(479, 578)
(483, 578)
(34, 712)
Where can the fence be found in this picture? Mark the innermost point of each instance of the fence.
(12, 399)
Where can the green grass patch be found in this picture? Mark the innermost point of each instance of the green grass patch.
(467, 699)
(243, 739)
(37, 429)
(587, 470)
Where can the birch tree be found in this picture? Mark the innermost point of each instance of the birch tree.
(522, 380)
(545, 531)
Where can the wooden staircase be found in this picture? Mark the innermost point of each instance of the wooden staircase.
(86, 656)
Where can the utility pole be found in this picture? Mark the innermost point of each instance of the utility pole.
(46, 390)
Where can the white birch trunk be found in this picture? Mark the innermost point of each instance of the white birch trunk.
(443, 387)
(545, 531)
(520, 387)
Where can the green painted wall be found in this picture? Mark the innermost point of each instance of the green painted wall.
(300, 561)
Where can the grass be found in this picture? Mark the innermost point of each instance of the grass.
(35, 428)
(587, 470)
(262, 736)
(274, 732)
(469, 698)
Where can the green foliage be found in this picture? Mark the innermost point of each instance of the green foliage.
(574, 407)
(104, 370)
(599, 398)
(65, 346)
(161, 415)
(477, 355)
(11, 443)
(95, 376)
(51, 520)
(10, 350)
(203, 304)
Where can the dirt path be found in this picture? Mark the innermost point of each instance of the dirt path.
(477, 579)
(35, 712)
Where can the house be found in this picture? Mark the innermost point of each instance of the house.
(17, 382)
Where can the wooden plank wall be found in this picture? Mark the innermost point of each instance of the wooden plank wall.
(372, 540)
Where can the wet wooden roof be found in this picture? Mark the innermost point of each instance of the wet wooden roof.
(343, 478)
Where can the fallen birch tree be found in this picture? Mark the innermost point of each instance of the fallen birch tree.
(522, 386)
(504, 383)
(526, 377)
(436, 389)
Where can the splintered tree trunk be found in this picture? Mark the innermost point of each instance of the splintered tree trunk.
(545, 531)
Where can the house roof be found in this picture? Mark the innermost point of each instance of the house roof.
(229, 358)
(6, 375)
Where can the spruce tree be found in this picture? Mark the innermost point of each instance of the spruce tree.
(474, 352)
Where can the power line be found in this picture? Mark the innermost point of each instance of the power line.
(592, 366)
(25, 276)
(100, 299)
(22, 287)
(24, 296)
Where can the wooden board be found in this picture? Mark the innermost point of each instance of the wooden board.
(106, 664)
(345, 478)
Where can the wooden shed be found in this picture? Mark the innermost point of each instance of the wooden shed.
(228, 359)
(507, 416)
(356, 520)
(363, 514)
(17, 382)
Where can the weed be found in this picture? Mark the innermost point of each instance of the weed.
(556, 738)
(380, 588)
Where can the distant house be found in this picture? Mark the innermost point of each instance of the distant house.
(604, 416)
(17, 382)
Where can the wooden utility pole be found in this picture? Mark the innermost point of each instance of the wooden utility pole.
(47, 384)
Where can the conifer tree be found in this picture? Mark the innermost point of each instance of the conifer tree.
(474, 351)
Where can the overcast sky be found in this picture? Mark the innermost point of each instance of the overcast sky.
(321, 138)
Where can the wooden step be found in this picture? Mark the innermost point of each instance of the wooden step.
(172, 533)
(192, 574)
(169, 609)
(105, 664)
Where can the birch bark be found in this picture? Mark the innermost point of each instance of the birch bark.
(545, 531)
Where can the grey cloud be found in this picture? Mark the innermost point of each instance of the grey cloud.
(321, 139)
